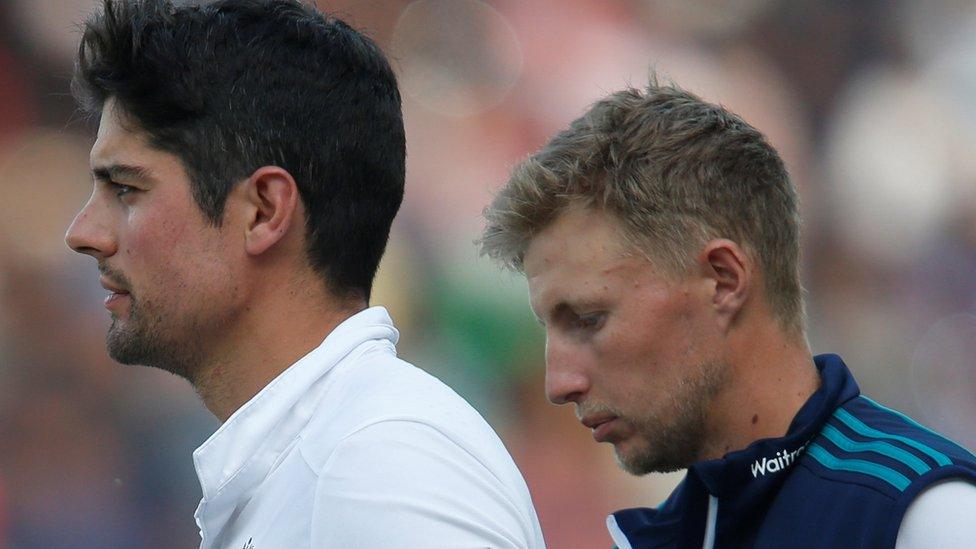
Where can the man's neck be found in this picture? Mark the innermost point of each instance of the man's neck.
(275, 330)
(772, 377)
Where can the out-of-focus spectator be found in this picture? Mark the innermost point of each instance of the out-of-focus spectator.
(3, 515)
(15, 109)
(45, 174)
(890, 162)
(68, 476)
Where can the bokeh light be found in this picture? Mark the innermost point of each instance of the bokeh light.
(456, 57)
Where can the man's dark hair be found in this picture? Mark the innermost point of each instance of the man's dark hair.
(233, 85)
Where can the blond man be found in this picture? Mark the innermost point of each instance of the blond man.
(659, 238)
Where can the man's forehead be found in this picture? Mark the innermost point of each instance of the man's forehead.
(116, 132)
(582, 255)
(579, 237)
(574, 252)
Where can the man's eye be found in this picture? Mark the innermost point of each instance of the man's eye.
(589, 321)
(121, 190)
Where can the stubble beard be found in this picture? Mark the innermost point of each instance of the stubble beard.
(143, 339)
(671, 437)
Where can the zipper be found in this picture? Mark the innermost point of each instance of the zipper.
(710, 521)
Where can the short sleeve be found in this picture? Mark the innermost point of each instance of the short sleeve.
(943, 515)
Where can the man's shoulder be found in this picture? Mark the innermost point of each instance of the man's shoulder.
(378, 390)
(872, 446)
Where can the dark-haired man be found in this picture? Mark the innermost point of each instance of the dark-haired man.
(248, 166)
(659, 238)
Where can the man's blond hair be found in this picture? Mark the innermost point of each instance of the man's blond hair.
(674, 172)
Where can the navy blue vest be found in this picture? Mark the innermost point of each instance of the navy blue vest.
(843, 476)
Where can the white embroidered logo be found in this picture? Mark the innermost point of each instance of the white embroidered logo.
(782, 460)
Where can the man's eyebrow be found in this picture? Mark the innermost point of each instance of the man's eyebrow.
(122, 172)
(552, 313)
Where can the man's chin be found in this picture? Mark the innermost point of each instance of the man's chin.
(123, 355)
(629, 458)
(641, 468)
(135, 350)
(643, 461)
(125, 347)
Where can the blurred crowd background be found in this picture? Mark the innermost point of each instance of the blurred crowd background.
(871, 103)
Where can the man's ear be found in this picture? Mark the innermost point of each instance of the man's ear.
(271, 200)
(731, 272)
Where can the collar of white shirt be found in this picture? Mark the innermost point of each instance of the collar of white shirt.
(239, 456)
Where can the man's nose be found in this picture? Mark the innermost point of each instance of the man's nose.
(566, 380)
(90, 233)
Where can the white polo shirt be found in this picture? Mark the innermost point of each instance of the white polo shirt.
(352, 447)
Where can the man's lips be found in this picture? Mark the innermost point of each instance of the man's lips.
(116, 292)
(111, 286)
(600, 425)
